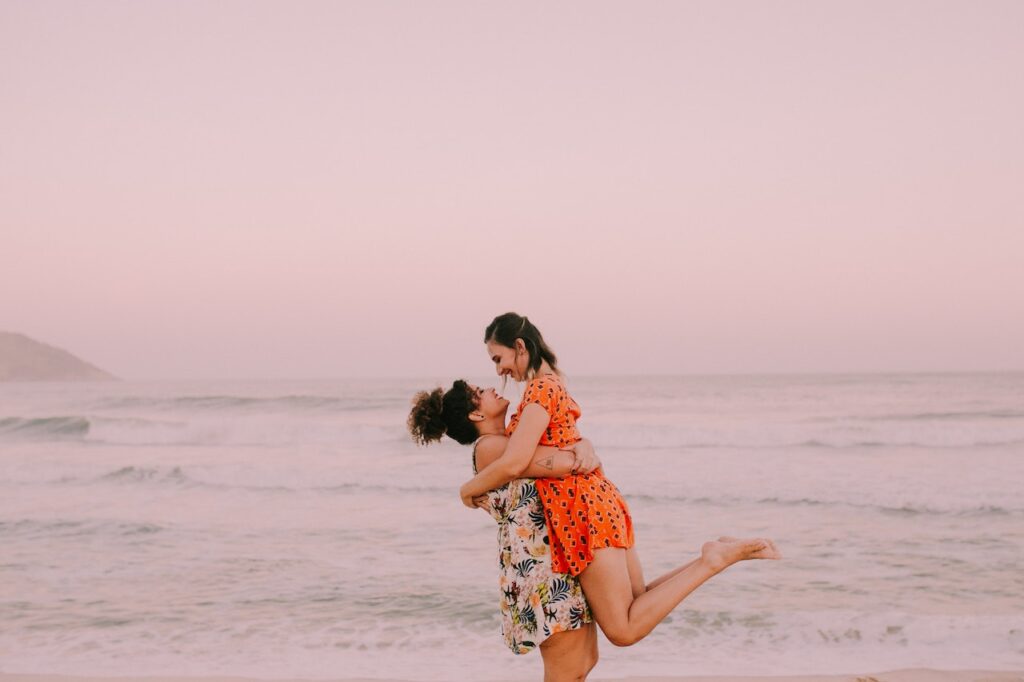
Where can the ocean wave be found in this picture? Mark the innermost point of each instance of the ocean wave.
(927, 416)
(902, 510)
(66, 528)
(133, 474)
(645, 444)
(112, 430)
(44, 428)
(814, 443)
(286, 403)
(260, 482)
(227, 431)
(906, 509)
(781, 434)
(292, 638)
(824, 445)
(176, 476)
(376, 427)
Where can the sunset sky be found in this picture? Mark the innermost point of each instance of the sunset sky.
(196, 190)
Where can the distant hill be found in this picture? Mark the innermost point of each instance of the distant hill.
(24, 359)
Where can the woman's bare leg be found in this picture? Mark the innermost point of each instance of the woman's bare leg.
(626, 619)
(636, 572)
(569, 656)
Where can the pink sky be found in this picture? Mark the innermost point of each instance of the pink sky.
(247, 189)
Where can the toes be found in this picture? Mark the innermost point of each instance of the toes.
(770, 551)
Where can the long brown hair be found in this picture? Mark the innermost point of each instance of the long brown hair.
(505, 329)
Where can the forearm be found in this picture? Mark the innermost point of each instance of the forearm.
(495, 475)
(550, 462)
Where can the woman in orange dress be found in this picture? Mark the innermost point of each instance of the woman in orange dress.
(588, 521)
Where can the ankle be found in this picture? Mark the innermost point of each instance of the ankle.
(711, 565)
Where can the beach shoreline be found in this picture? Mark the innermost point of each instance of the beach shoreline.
(900, 675)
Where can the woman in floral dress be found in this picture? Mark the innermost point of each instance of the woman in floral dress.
(539, 608)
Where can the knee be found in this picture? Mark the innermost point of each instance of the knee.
(621, 637)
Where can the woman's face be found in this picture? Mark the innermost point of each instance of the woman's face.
(488, 402)
(507, 361)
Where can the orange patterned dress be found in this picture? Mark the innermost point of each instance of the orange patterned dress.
(584, 512)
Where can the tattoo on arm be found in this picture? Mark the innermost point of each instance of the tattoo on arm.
(547, 463)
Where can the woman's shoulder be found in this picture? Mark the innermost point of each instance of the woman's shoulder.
(488, 448)
(545, 382)
(547, 390)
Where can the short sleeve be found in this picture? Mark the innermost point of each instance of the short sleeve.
(546, 393)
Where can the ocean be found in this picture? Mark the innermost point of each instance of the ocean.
(292, 529)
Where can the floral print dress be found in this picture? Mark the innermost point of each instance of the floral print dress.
(535, 602)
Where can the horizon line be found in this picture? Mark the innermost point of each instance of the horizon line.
(606, 375)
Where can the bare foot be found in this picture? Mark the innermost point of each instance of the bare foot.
(773, 551)
(719, 555)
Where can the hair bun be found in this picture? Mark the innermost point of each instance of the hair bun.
(425, 422)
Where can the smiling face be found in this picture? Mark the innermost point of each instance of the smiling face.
(488, 402)
(509, 362)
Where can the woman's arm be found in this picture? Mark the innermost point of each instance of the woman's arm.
(516, 458)
(548, 461)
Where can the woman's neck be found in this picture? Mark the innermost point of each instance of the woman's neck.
(495, 426)
(492, 426)
(545, 368)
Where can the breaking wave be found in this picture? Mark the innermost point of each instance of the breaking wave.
(44, 428)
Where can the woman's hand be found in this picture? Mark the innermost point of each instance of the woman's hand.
(586, 459)
(474, 502)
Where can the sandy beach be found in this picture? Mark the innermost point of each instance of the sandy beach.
(905, 675)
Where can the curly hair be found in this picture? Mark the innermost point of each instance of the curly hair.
(439, 412)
